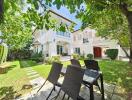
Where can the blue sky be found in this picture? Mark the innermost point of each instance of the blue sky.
(65, 12)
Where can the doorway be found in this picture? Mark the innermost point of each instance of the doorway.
(97, 52)
(59, 49)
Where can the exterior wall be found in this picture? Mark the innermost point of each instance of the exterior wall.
(59, 19)
(105, 44)
(94, 41)
(50, 39)
(86, 40)
(78, 36)
(122, 53)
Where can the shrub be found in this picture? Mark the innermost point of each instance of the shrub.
(19, 54)
(37, 54)
(82, 57)
(64, 54)
(90, 56)
(75, 56)
(49, 60)
(38, 57)
(112, 53)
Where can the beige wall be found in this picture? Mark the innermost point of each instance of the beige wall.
(94, 41)
(85, 48)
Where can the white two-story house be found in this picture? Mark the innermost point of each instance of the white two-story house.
(51, 42)
(83, 42)
(86, 42)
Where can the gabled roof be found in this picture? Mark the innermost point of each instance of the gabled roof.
(61, 16)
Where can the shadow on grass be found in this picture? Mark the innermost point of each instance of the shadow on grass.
(6, 69)
(118, 72)
(28, 63)
(8, 93)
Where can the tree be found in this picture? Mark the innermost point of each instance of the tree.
(1, 10)
(109, 12)
(113, 15)
(19, 22)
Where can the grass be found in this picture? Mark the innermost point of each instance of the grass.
(118, 72)
(11, 83)
(114, 72)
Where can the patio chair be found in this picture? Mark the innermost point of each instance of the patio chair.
(53, 76)
(92, 64)
(72, 83)
(75, 62)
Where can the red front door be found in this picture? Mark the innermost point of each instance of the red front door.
(97, 52)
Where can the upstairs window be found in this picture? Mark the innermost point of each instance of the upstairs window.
(85, 40)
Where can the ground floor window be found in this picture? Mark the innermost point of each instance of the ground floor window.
(59, 49)
(77, 50)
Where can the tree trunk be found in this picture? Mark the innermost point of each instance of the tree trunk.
(129, 18)
(1, 10)
(128, 14)
(126, 53)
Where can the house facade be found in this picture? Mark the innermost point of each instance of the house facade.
(86, 42)
(51, 42)
(83, 42)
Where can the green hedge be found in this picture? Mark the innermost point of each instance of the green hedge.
(90, 56)
(3, 53)
(112, 53)
(75, 56)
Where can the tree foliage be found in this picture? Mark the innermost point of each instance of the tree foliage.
(111, 18)
(20, 19)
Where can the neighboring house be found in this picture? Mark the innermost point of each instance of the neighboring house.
(86, 42)
(53, 43)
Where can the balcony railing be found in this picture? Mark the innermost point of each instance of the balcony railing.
(65, 34)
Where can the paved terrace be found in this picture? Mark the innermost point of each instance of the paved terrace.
(38, 81)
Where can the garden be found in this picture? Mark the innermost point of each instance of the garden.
(21, 19)
(16, 78)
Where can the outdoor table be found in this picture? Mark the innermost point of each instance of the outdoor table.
(90, 77)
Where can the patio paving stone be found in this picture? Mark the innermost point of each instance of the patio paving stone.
(37, 83)
(48, 86)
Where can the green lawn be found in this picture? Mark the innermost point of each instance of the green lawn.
(118, 72)
(114, 72)
(11, 83)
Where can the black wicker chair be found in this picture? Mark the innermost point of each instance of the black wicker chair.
(72, 83)
(75, 62)
(53, 76)
(92, 64)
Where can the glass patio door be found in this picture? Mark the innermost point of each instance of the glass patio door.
(59, 49)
